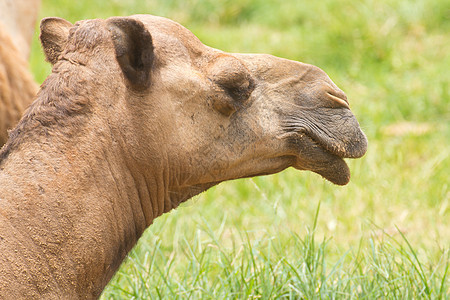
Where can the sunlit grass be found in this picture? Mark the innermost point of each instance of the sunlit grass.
(386, 234)
(219, 264)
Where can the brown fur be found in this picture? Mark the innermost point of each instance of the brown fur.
(137, 116)
(17, 86)
(18, 18)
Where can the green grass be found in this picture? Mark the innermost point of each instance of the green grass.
(386, 234)
(217, 265)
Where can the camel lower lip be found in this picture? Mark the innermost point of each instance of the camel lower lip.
(314, 157)
(336, 171)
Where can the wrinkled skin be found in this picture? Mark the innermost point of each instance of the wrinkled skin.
(137, 116)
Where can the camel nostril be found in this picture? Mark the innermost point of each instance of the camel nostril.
(341, 101)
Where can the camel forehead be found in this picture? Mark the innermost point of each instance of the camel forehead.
(165, 32)
(162, 26)
(169, 36)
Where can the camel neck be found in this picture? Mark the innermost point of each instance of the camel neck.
(69, 214)
(73, 198)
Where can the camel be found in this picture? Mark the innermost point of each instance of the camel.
(137, 116)
(17, 86)
(19, 18)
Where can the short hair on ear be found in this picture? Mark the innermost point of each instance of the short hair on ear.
(134, 50)
(54, 34)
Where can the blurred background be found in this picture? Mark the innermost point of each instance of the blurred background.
(392, 59)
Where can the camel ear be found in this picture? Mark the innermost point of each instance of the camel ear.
(134, 50)
(54, 34)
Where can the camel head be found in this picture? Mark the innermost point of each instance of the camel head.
(196, 115)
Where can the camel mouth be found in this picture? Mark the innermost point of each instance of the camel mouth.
(315, 156)
(338, 134)
(336, 172)
(355, 147)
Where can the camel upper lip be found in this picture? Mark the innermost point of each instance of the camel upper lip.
(354, 147)
(336, 131)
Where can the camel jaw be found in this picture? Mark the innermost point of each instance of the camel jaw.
(325, 158)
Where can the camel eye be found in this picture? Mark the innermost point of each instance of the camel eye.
(232, 83)
(232, 76)
(237, 85)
